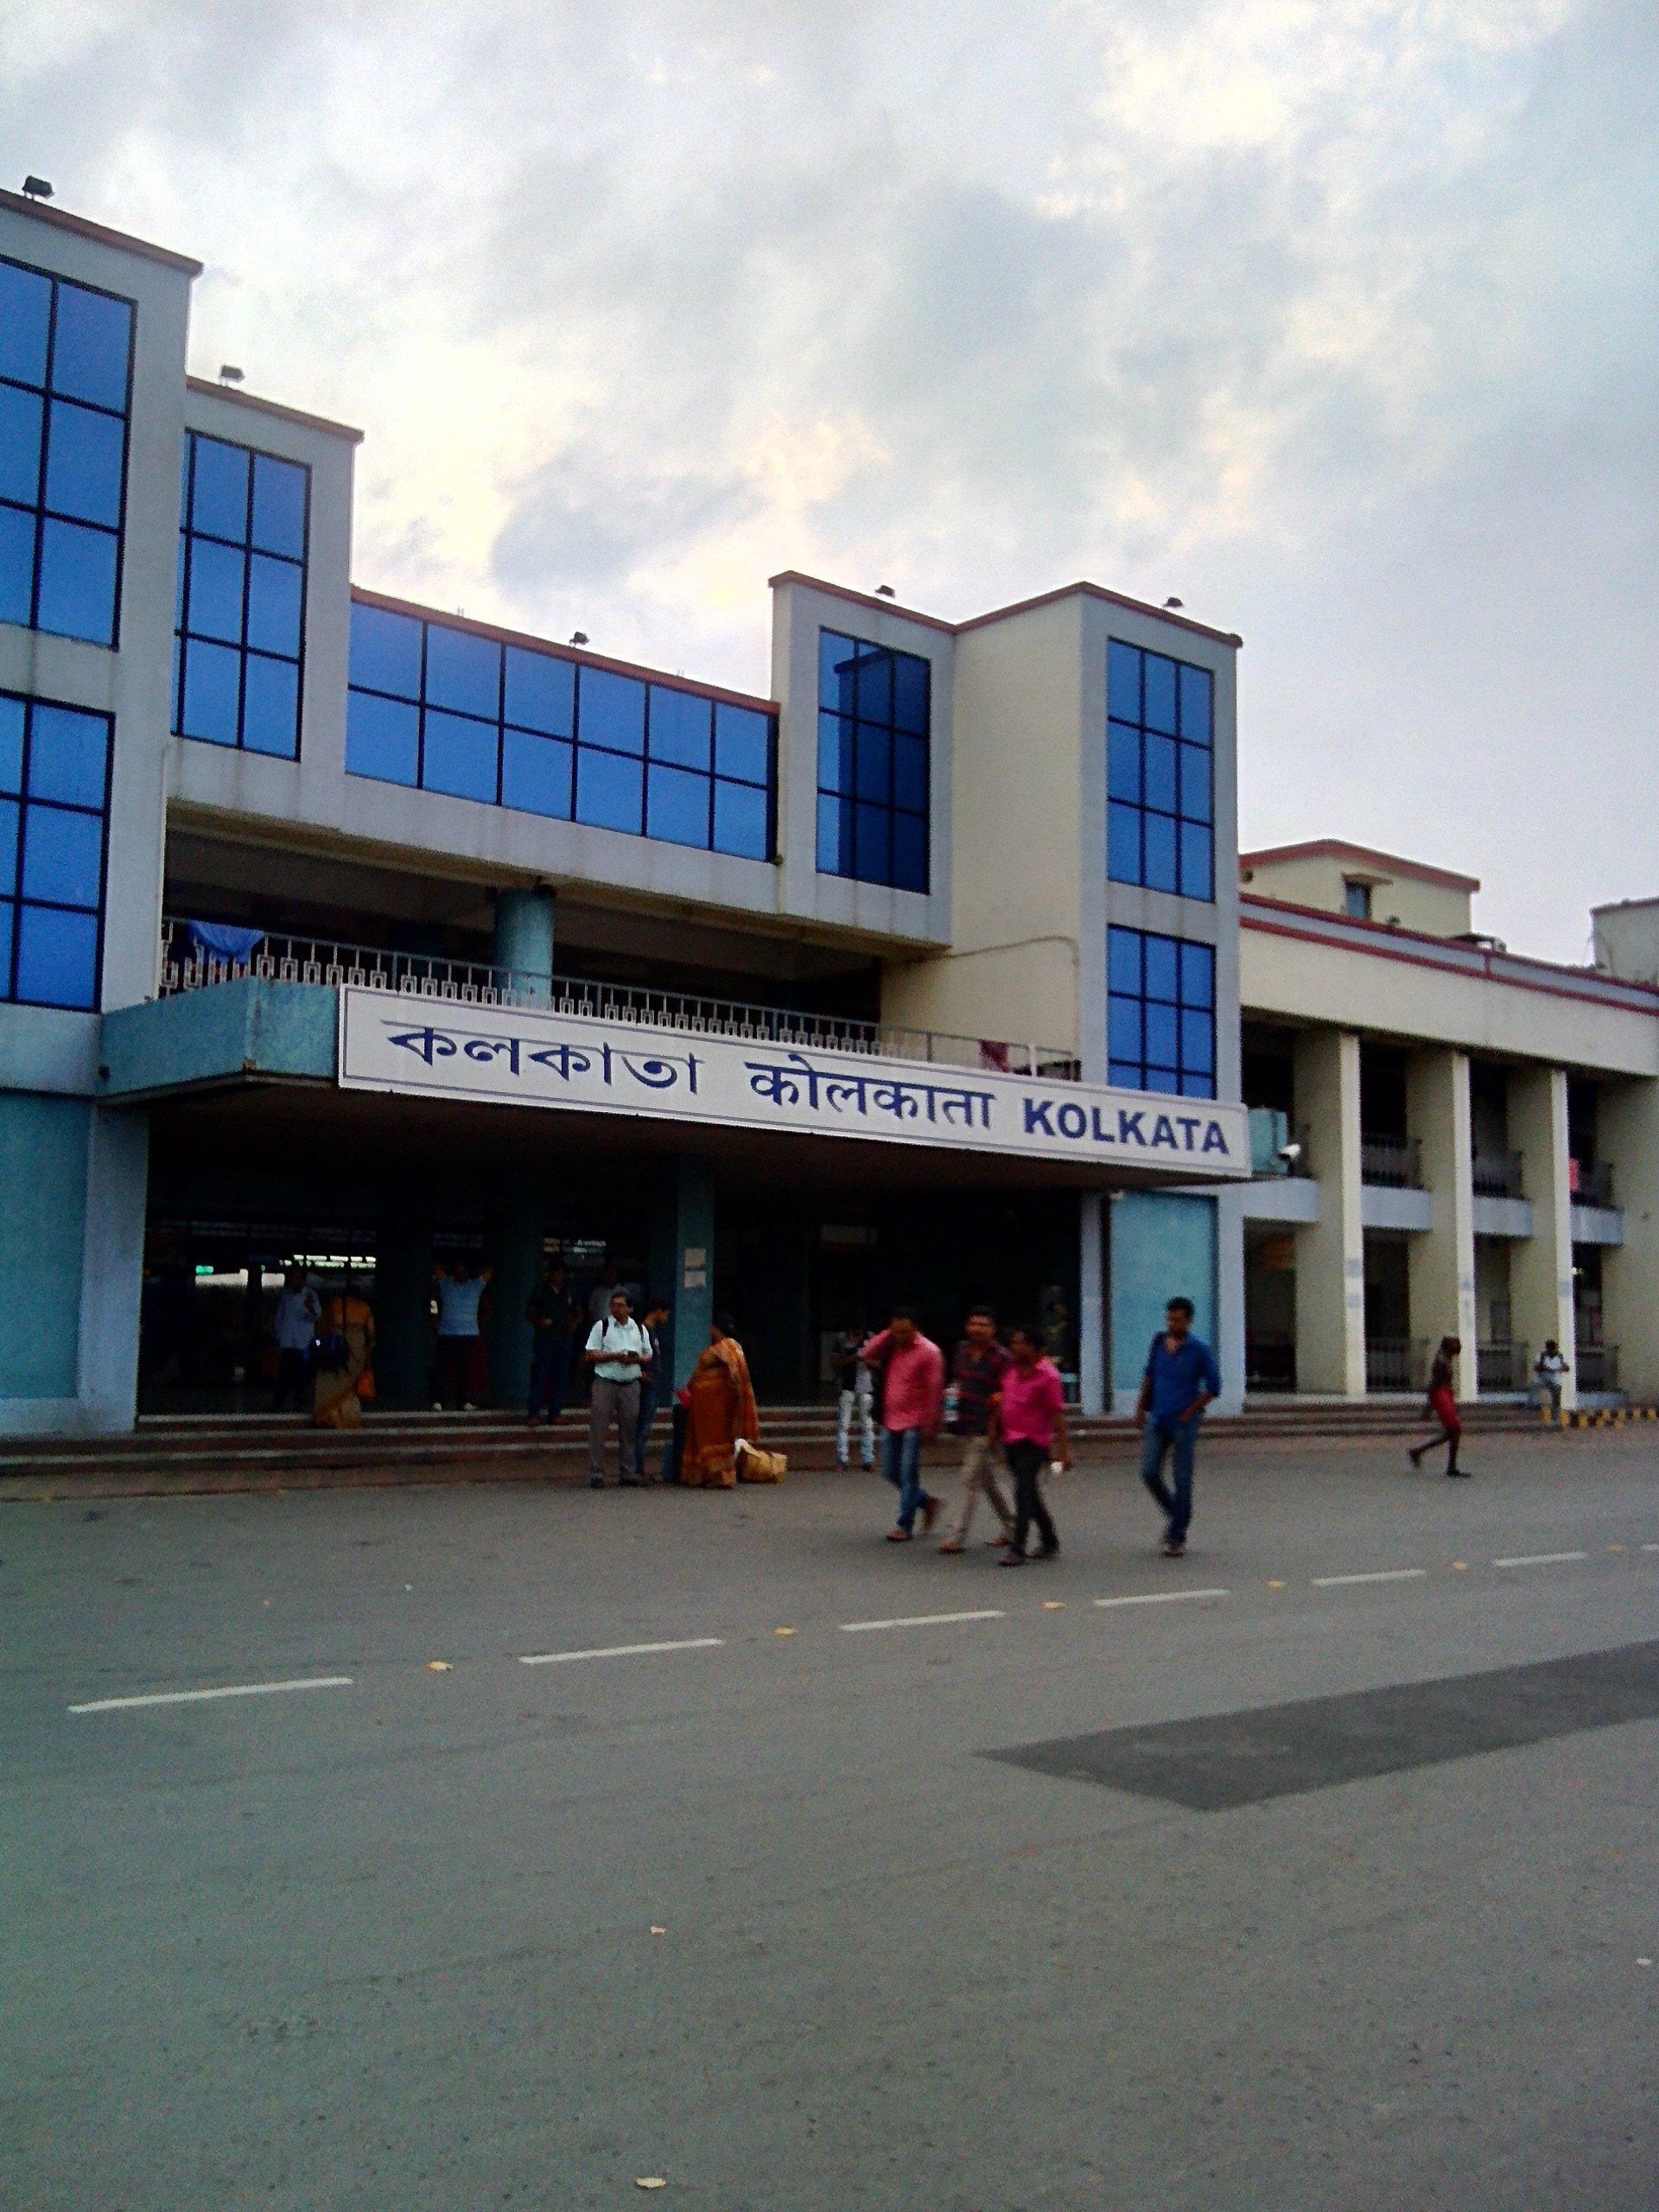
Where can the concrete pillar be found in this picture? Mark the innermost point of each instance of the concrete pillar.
(524, 940)
(112, 1268)
(43, 1250)
(1163, 1247)
(403, 1298)
(514, 1250)
(1091, 1305)
(1627, 1137)
(1540, 1266)
(683, 1258)
(1229, 1299)
(1442, 1261)
(1330, 1252)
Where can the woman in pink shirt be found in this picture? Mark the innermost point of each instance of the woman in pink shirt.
(1031, 1420)
(913, 1399)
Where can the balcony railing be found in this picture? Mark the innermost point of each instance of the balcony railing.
(1394, 1163)
(187, 963)
(1396, 1363)
(1591, 1183)
(1500, 1367)
(1597, 1366)
(1497, 1175)
(1269, 1361)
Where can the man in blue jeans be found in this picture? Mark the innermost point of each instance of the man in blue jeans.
(1180, 1380)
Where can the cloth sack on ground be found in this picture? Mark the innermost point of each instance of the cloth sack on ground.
(754, 1466)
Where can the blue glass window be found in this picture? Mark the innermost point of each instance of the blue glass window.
(55, 770)
(1160, 772)
(874, 731)
(66, 357)
(238, 665)
(1160, 1014)
(452, 710)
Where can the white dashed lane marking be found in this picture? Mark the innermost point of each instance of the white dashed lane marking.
(1165, 1598)
(1379, 1574)
(205, 1697)
(1539, 1558)
(920, 1620)
(618, 1651)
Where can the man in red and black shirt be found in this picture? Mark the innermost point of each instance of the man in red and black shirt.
(976, 1377)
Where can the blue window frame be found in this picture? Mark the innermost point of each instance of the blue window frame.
(446, 709)
(1160, 1022)
(54, 811)
(66, 400)
(239, 657)
(875, 716)
(1160, 826)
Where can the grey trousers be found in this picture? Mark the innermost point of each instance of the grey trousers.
(621, 1400)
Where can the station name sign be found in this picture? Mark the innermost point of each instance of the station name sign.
(391, 1041)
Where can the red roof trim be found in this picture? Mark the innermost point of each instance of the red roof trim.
(559, 652)
(82, 229)
(1003, 613)
(1338, 849)
(209, 386)
(863, 599)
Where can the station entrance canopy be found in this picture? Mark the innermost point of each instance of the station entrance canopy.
(392, 1042)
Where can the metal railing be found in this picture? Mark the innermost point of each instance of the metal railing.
(1393, 1163)
(1591, 1182)
(1269, 1361)
(1500, 1367)
(1396, 1362)
(185, 965)
(1497, 1175)
(1597, 1366)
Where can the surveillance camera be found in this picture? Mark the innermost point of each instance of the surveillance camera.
(1290, 1152)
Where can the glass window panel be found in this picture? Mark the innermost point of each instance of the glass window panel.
(21, 415)
(1160, 713)
(1160, 873)
(25, 316)
(910, 691)
(76, 597)
(10, 812)
(1198, 1042)
(872, 777)
(1162, 1079)
(462, 672)
(63, 855)
(1123, 762)
(279, 500)
(540, 693)
(909, 852)
(608, 790)
(742, 743)
(381, 736)
(11, 746)
(835, 753)
(910, 773)
(220, 500)
(385, 652)
(836, 655)
(611, 711)
(178, 677)
(1123, 843)
(835, 837)
(1198, 878)
(16, 564)
(1123, 681)
(274, 609)
(1196, 803)
(213, 691)
(270, 707)
(536, 773)
(1198, 1086)
(871, 851)
(1125, 1072)
(680, 728)
(676, 805)
(84, 454)
(1124, 1031)
(69, 753)
(1198, 974)
(57, 957)
(1161, 955)
(90, 346)
(873, 685)
(1158, 759)
(740, 821)
(217, 575)
(178, 584)
(1123, 960)
(1197, 704)
(459, 755)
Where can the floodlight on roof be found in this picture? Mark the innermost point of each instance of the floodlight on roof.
(37, 187)
(229, 373)
(1173, 603)
(886, 591)
(578, 637)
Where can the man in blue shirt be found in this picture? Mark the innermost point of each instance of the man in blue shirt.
(1180, 1380)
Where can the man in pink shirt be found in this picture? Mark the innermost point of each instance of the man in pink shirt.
(1031, 1420)
(913, 1399)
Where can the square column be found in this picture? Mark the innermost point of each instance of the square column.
(1091, 1307)
(1330, 1252)
(683, 1259)
(1540, 1266)
(1627, 1136)
(1442, 1261)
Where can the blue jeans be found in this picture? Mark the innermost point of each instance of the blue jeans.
(550, 1372)
(1176, 1440)
(642, 1430)
(901, 1466)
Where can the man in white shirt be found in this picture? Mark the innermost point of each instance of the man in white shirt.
(460, 1289)
(617, 1349)
(1547, 1370)
(295, 1324)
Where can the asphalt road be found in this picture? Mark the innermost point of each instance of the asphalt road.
(759, 1916)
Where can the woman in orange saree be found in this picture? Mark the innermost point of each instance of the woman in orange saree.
(348, 1327)
(722, 1409)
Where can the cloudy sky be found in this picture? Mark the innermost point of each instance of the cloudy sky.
(1336, 318)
